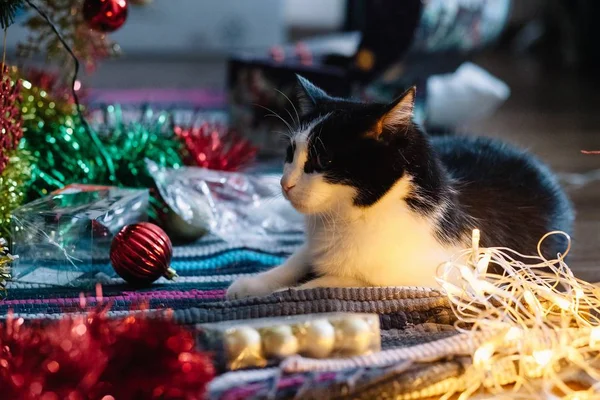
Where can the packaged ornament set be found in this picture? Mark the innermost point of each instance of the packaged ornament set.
(262, 342)
(68, 234)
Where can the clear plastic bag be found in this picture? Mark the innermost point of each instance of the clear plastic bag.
(242, 209)
(67, 235)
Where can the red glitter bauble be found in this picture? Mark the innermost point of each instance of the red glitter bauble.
(105, 15)
(141, 253)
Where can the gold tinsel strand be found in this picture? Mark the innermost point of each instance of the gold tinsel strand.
(12, 186)
(39, 108)
(5, 261)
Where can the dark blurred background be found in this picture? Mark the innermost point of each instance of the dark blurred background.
(525, 71)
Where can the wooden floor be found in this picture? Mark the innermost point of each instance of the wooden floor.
(555, 114)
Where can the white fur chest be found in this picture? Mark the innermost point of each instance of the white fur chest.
(387, 245)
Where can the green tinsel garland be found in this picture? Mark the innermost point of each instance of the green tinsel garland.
(65, 154)
(62, 152)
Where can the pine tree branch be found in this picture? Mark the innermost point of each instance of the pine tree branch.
(8, 11)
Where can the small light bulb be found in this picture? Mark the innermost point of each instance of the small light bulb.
(562, 302)
(483, 263)
(512, 334)
(483, 354)
(595, 338)
(452, 290)
(467, 273)
(530, 299)
(542, 357)
(475, 241)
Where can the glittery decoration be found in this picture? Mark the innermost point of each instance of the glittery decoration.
(5, 260)
(12, 187)
(105, 15)
(38, 106)
(88, 45)
(54, 84)
(10, 117)
(213, 146)
(66, 154)
(94, 357)
(141, 253)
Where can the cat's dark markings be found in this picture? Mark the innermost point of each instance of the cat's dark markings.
(413, 200)
(512, 197)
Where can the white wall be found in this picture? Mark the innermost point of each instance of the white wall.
(323, 14)
(195, 26)
(199, 27)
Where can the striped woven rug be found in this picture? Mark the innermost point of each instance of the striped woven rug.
(410, 317)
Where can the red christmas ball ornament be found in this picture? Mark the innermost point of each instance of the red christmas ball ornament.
(105, 15)
(141, 253)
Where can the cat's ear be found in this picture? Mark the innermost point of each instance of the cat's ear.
(398, 113)
(308, 95)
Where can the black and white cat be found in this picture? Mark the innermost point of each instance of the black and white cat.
(385, 204)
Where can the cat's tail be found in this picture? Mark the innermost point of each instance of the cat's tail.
(436, 131)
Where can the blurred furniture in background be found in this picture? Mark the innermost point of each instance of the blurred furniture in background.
(386, 47)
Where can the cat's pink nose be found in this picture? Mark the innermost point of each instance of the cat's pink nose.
(286, 186)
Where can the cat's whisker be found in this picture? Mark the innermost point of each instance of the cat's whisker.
(274, 114)
(291, 116)
(286, 137)
(321, 140)
(279, 117)
(292, 104)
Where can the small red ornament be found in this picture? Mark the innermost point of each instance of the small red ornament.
(213, 146)
(141, 253)
(105, 15)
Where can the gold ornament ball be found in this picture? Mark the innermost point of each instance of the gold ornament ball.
(317, 339)
(353, 336)
(241, 343)
(279, 342)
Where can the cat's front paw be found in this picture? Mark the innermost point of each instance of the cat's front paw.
(248, 286)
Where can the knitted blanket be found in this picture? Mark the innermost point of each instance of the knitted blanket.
(415, 322)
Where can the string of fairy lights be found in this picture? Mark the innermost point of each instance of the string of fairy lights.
(545, 322)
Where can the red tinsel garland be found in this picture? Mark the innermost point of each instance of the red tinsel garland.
(213, 146)
(11, 129)
(94, 357)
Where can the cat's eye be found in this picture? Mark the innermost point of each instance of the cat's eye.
(289, 154)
